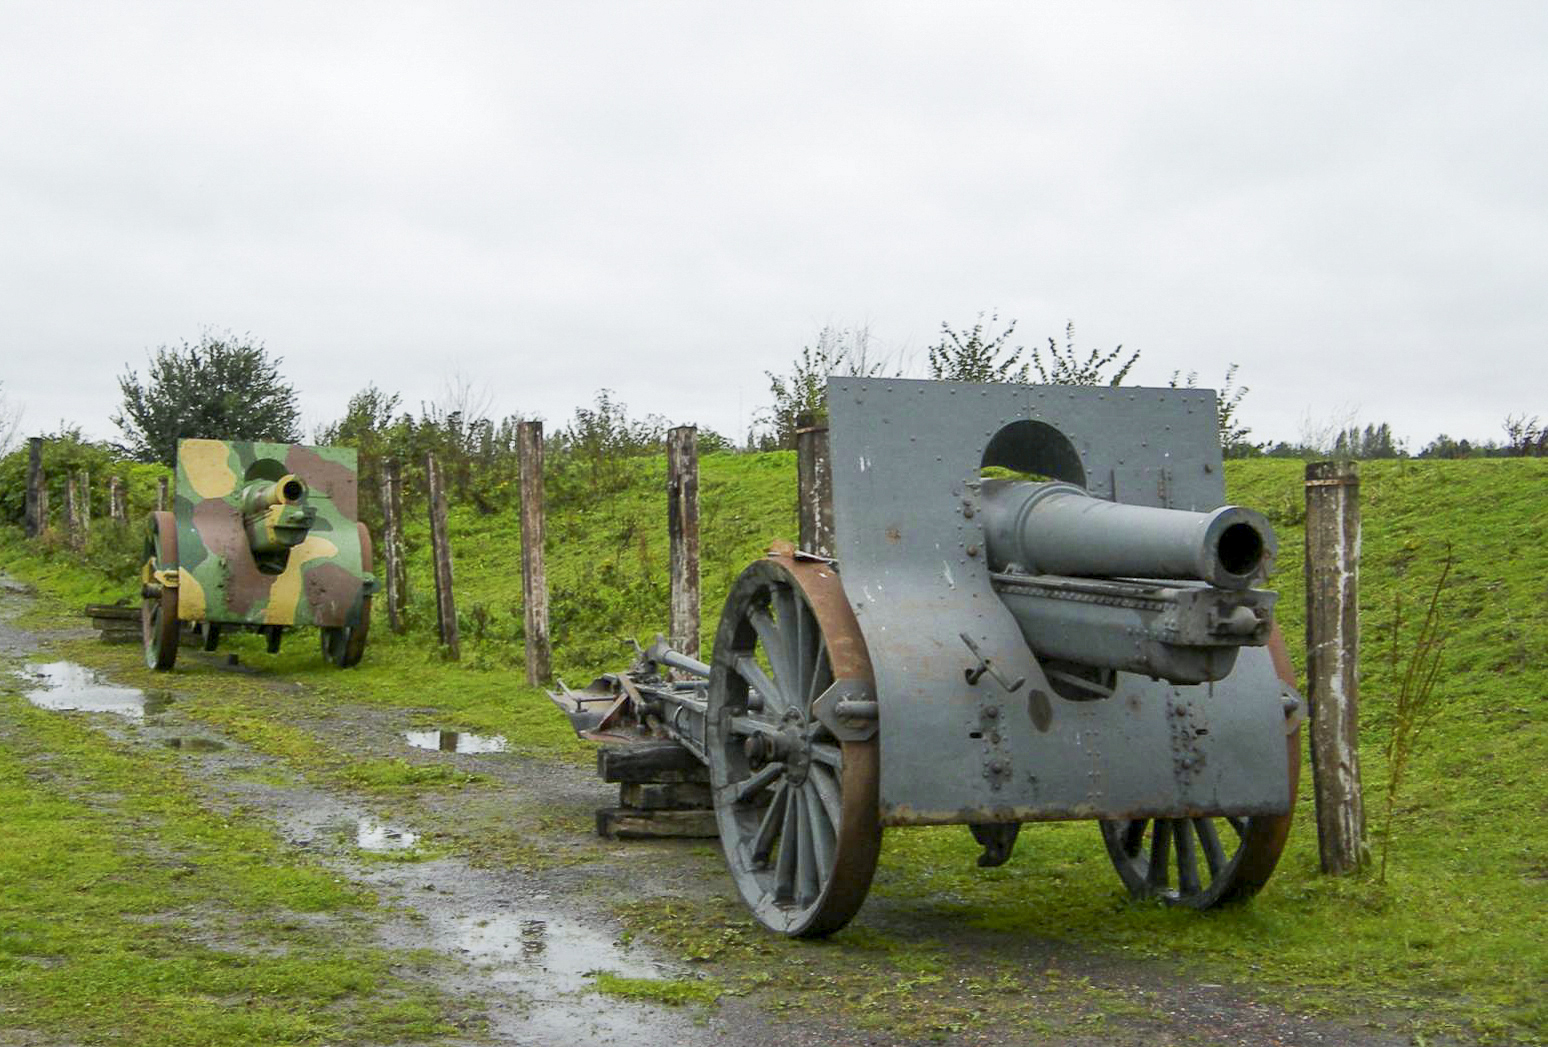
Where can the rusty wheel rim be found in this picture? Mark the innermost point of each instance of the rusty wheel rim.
(796, 807)
(158, 614)
(1200, 863)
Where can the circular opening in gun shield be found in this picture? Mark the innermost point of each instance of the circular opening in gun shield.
(293, 490)
(1240, 549)
(1033, 450)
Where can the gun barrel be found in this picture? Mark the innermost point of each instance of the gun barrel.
(259, 497)
(1057, 528)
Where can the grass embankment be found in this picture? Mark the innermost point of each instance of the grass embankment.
(1455, 935)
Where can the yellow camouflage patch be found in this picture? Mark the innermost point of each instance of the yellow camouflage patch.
(190, 597)
(207, 464)
(285, 593)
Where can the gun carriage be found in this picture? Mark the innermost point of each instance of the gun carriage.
(1041, 610)
(263, 537)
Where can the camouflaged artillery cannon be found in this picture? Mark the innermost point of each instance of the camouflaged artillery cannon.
(263, 537)
(1040, 610)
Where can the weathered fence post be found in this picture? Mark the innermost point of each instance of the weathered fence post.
(72, 514)
(116, 500)
(85, 505)
(534, 584)
(440, 554)
(394, 569)
(161, 494)
(814, 486)
(682, 450)
(1332, 647)
(37, 493)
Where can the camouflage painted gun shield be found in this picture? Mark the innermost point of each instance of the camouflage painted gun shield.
(320, 580)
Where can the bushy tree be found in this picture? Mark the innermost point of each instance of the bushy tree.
(223, 387)
(1525, 437)
(1233, 434)
(10, 421)
(1067, 367)
(972, 356)
(804, 390)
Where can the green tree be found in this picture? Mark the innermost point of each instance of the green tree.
(10, 421)
(223, 387)
(1233, 434)
(804, 390)
(970, 356)
(1066, 366)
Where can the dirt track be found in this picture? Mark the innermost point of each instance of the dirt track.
(523, 935)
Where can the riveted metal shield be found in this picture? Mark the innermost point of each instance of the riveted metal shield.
(319, 581)
(907, 459)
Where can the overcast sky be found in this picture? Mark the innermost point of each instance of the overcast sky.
(1348, 200)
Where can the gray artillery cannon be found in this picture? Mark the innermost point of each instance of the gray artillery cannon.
(1085, 644)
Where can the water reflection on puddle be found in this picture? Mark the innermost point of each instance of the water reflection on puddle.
(456, 741)
(372, 835)
(520, 946)
(67, 687)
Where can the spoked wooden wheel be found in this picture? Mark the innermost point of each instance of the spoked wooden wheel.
(1205, 862)
(344, 645)
(796, 806)
(158, 602)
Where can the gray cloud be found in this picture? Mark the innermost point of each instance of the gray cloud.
(670, 199)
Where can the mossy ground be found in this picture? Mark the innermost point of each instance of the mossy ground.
(1453, 941)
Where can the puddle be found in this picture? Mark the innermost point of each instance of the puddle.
(456, 741)
(372, 835)
(68, 687)
(553, 951)
(195, 745)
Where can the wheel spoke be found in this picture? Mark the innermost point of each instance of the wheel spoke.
(831, 755)
(1239, 824)
(806, 859)
(1187, 860)
(768, 827)
(822, 675)
(824, 828)
(775, 646)
(748, 669)
(1214, 854)
(750, 786)
(826, 787)
(1160, 848)
(804, 637)
(789, 847)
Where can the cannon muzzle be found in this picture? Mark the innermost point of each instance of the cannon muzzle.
(1057, 528)
(276, 520)
(1163, 592)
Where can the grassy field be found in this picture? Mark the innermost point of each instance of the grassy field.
(1454, 937)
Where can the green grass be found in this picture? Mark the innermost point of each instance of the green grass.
(673, 992)
(129, 914)
(1455, 937)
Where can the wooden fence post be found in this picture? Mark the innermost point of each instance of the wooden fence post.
(37, 492)
(682, 450)
(161, 494)
(116, 500)
(72, 520)
(394, 568)
(85, 505)
(440, 553)
(534, 583)
(814, 486)
(1332, 648)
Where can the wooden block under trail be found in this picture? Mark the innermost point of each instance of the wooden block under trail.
(664, 796)
(627, 823)
(649, 762)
